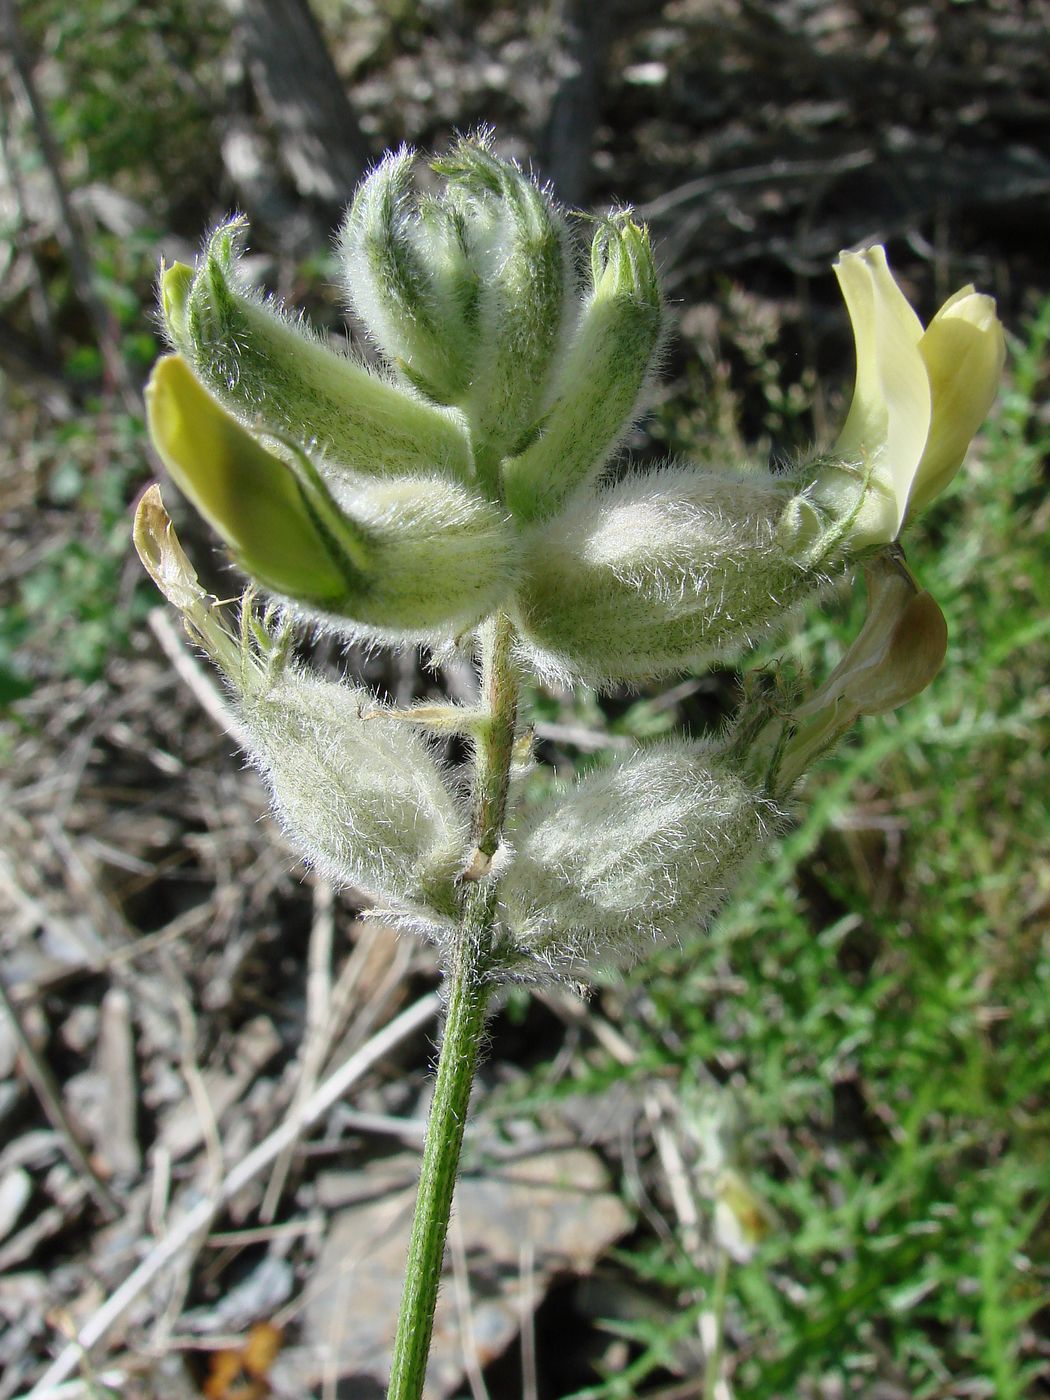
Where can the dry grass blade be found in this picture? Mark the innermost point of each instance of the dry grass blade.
(50, 1095)
(328, 1010)
(464, 1308)
(199, 1218)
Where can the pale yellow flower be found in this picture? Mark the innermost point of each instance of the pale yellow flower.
(919, 399)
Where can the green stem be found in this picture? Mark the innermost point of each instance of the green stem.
(713, 1366)
(486, 466)
(460, 1042)
(468, 995)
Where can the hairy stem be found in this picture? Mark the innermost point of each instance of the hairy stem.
(460, 1041)
(468, 995)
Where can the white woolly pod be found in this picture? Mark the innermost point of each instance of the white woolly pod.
(667, 570)
(601, 378)
(410, 278)
(634, 854)
(279, 377)
(526, 285)
(363, 799)
(442, 557)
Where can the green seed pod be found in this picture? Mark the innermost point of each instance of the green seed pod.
(411, 280)
(602, 378)
(443, 557)
(362, 799)
(284, 535)
(408, 559)
(361, 795)
(279, 377)
(667, 570)
(634, 854)
(526, 284)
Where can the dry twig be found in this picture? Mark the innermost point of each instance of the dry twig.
(39, 1074)
(197, 1220)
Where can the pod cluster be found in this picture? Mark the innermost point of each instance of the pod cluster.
(473, 468)
(469, 470)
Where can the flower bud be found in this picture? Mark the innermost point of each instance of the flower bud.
(249, 496)
(525, 287)
(663, 571)
(601, 379)
(362, 799)
(920, 397)
(636, 853)
(411, 281)
(175, 285)
(407, 558)
(279, 377)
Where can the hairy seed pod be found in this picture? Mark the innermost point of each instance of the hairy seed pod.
(634, 854)
(278, 376)
(526, 284)
(410, 278)
(362, 799)
(443, 557)
(601, 379)
(667, 570)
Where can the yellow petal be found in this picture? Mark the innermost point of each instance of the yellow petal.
(246, 494)
(889, 418)
(176, 283)
(866, 421)
(889, 296)
(963, 350)
(955, 297)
